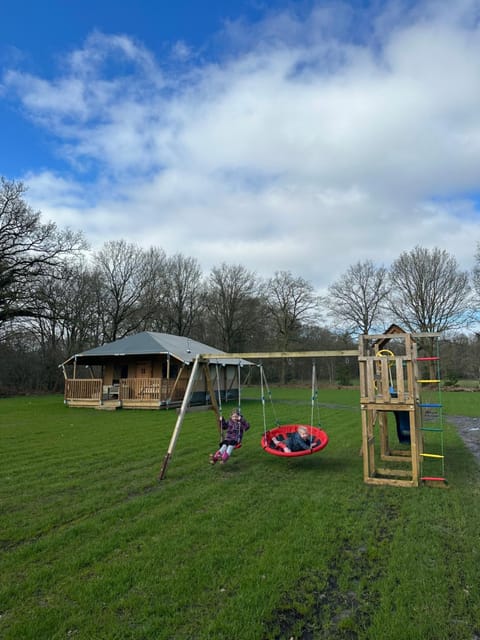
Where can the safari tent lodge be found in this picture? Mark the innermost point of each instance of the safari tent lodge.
(147, 370)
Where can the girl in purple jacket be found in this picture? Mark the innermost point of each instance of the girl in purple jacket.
(232, 434)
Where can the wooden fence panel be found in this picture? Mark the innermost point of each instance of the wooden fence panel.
(79, 389)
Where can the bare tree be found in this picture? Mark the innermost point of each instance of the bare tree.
(69, 322)
(231, 302)
(81, 327)
(476, 277)
(180, 305)
(127, 277)
(63, 322)
(29, 250)
(290, 301)
(428, 291)
(356, 300)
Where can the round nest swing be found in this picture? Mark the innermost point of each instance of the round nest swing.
(320, 440)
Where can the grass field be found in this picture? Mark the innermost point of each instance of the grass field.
(93, 547)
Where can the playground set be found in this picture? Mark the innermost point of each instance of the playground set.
(401, 383)
(396, 385)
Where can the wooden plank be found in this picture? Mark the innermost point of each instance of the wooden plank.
(367, 445)
(382, 418)
(402, 453)
(142, 404)
(71, 402)
(371, 392)
(403, 473)
(391, 457)
(388, 406)
(390, 481)
(385, 373)
(414, 445)
(390, 336)
(279, 354)
(399, 373)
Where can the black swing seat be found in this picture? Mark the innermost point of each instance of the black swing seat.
(320, 440)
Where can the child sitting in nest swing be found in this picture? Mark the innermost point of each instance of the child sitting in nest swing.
(232, 434)
(298, 440)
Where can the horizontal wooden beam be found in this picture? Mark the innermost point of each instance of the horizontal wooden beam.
(392, 336)
(279, 354)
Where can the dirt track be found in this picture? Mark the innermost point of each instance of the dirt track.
(469, 429)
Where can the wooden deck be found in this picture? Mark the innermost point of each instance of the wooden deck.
(129, 393)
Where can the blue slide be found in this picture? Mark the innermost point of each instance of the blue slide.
(402, 419)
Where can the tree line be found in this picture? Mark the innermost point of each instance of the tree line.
(57, 298)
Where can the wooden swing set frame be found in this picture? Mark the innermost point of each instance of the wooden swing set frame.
(377, 398)
(206, 358)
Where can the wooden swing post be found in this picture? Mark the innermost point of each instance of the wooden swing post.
(181, 416)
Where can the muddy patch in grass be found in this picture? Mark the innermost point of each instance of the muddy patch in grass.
(469, 430)
(337, 603)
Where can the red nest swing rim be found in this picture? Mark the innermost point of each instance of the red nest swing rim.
(284, 430)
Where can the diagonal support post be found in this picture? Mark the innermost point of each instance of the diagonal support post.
(181, 416)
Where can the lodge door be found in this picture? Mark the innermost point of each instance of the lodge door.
(143, 370)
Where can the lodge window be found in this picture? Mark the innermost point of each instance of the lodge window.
(173, 370)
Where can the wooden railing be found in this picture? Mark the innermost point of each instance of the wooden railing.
(138, 389)
(151, 389)
(386, 379)
(89, 389)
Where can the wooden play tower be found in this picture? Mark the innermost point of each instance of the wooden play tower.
(391, 390)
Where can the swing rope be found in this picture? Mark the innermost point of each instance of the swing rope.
(313, 393)
(239, 389)
(219, 400)
(264, 387)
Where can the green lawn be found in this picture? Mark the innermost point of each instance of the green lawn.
(262, 548)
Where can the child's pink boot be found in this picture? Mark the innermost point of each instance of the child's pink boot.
(214, 457)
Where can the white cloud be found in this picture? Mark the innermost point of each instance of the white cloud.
(181, 51)
(300, 150)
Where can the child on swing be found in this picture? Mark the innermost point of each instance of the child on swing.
(298, 440)
(232, 434)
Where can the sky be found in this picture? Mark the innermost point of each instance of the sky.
(302, 136)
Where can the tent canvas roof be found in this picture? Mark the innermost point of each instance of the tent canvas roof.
(152, 343)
